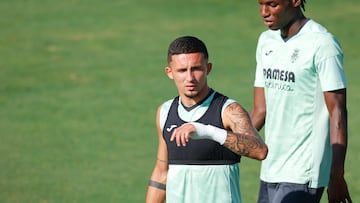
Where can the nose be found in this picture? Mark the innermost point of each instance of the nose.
(190, 75)
(264, 12)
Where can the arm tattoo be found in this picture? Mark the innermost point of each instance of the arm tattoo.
(242, 140)
(242, 144)
(156, 184)
(239, 118)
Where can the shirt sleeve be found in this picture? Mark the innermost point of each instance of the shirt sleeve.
(227, 103)
(329, 65)
(259, 75)
(164, 111)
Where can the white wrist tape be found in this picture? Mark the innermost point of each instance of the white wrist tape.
(209, 132)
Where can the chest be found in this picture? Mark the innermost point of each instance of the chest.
(289, 62)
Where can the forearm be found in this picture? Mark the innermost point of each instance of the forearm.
(246, 144)
(251, 146)
(156, 191)
(337, 187)
(258, 112)
(155, 195)
(257, 118)
(338, 139)
(336, 104)
(338, 160)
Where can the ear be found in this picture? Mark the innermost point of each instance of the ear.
(208, 68)
(168, 72)
(296, 3)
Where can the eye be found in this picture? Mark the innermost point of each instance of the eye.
(181, 70)
(273, 4)
(197, 68)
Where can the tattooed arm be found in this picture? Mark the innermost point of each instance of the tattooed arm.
(242, 138)
(239, 134)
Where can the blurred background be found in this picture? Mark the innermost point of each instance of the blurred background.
(80, 82)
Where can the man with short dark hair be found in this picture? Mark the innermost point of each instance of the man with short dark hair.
(201, 134)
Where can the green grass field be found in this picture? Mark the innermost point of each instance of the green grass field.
(81, 81)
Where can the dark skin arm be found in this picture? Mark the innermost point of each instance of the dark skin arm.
(336, 104)
(258, 112)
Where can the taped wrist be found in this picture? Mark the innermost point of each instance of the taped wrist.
(209, 132)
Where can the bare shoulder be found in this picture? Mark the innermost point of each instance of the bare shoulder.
(235, 107)
(236, 118)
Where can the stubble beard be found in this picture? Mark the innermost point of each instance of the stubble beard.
(192, 94)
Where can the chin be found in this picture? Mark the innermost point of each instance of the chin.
(273, 28)
(192, 94)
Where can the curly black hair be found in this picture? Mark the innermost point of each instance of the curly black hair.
(303, 4)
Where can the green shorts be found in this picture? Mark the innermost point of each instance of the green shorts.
(203, 183)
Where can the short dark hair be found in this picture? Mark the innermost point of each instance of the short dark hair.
(186, 45)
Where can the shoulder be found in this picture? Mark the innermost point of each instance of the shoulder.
(314, 27)
(234, 114)
(163, 111)
(232, 105)
(316, 37)
(228, 102)
(319, 33)
(165, 107)
(226, 105)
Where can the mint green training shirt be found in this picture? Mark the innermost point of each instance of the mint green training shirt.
(294, 75)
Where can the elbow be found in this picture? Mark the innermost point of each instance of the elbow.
(263, 153)
(261, 114)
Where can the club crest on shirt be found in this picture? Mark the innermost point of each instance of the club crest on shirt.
(295, 55)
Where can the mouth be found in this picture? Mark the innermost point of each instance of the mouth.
(268, 23)
(190, 87)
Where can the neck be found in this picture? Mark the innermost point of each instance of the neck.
(189, 101)
(293, 27)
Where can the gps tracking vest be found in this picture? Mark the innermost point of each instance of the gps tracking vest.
(198, 152)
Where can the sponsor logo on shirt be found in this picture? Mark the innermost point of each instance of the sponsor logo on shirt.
(279, 79)
(277, 74)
